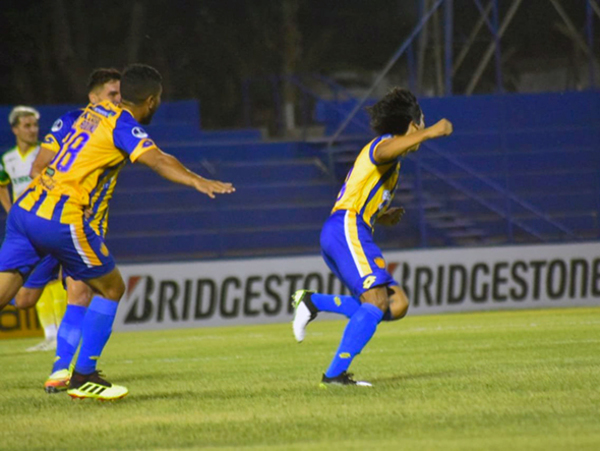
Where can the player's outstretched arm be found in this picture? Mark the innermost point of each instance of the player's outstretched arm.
(171, 168)
(43, 159)
(400, 145)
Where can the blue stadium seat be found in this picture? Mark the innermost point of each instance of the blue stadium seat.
(542, 148)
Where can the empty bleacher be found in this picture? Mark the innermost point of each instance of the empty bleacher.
(283, 196)
(517, 169)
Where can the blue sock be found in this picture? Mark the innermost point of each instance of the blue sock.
(359, 331)
(69, 334)
(345, 305)
(95, 332)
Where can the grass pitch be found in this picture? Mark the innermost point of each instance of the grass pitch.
(495, 381)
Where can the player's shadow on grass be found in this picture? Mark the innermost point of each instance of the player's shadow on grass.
(208, 394)
(133, 378)
(417, 376)
(166, 395)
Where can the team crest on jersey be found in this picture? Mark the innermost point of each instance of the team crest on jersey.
(139, 132)
(387, 196)
(58, 124)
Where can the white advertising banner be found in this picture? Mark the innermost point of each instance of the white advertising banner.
(255, 291)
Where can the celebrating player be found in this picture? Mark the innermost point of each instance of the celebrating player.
(103, 84)
(49, 218)
(347, 236)
(15, 166)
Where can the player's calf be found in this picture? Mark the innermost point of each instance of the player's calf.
(10, 282)
(27, 297)
(398, 304)
(110, 286)
(378, 297)
(78, 293)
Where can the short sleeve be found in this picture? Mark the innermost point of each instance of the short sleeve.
(374, 145)
(131, 138)
(4, 177)
(60, 129)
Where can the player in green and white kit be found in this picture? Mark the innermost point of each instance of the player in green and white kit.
(15, 166)
(15, 163)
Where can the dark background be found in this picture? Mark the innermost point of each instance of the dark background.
(204, 49)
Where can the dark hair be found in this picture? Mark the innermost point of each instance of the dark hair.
(101, 76)
(394, 112)
(139, 82)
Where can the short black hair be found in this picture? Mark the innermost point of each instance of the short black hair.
(394, 112)
(101, 76)
(139, 82)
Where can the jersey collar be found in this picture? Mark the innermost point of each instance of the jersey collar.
(27, 152)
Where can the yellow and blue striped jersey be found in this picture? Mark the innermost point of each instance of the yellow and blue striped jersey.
(101, 195)
(369, 187)
(89, 155)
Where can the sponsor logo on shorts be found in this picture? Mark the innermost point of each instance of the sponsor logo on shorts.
(368, 282)
(380, 262)
(104, 250)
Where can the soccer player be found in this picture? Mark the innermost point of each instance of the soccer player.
(49, 218)
(103, 84)
(15, 165)
(347, 236)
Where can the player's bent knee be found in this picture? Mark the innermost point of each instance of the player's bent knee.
(398, 302)
(398, 309)
(110, 286)
(378, 297)
(27, 297)
(114, 292)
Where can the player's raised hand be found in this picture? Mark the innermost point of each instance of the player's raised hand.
(441, 128)
(391, 217)
(212, 187)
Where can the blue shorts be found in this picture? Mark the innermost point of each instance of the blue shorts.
(77, 247)
(348, 249)
(45, 272)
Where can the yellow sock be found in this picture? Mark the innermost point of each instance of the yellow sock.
(59, 295)
(45, 311)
